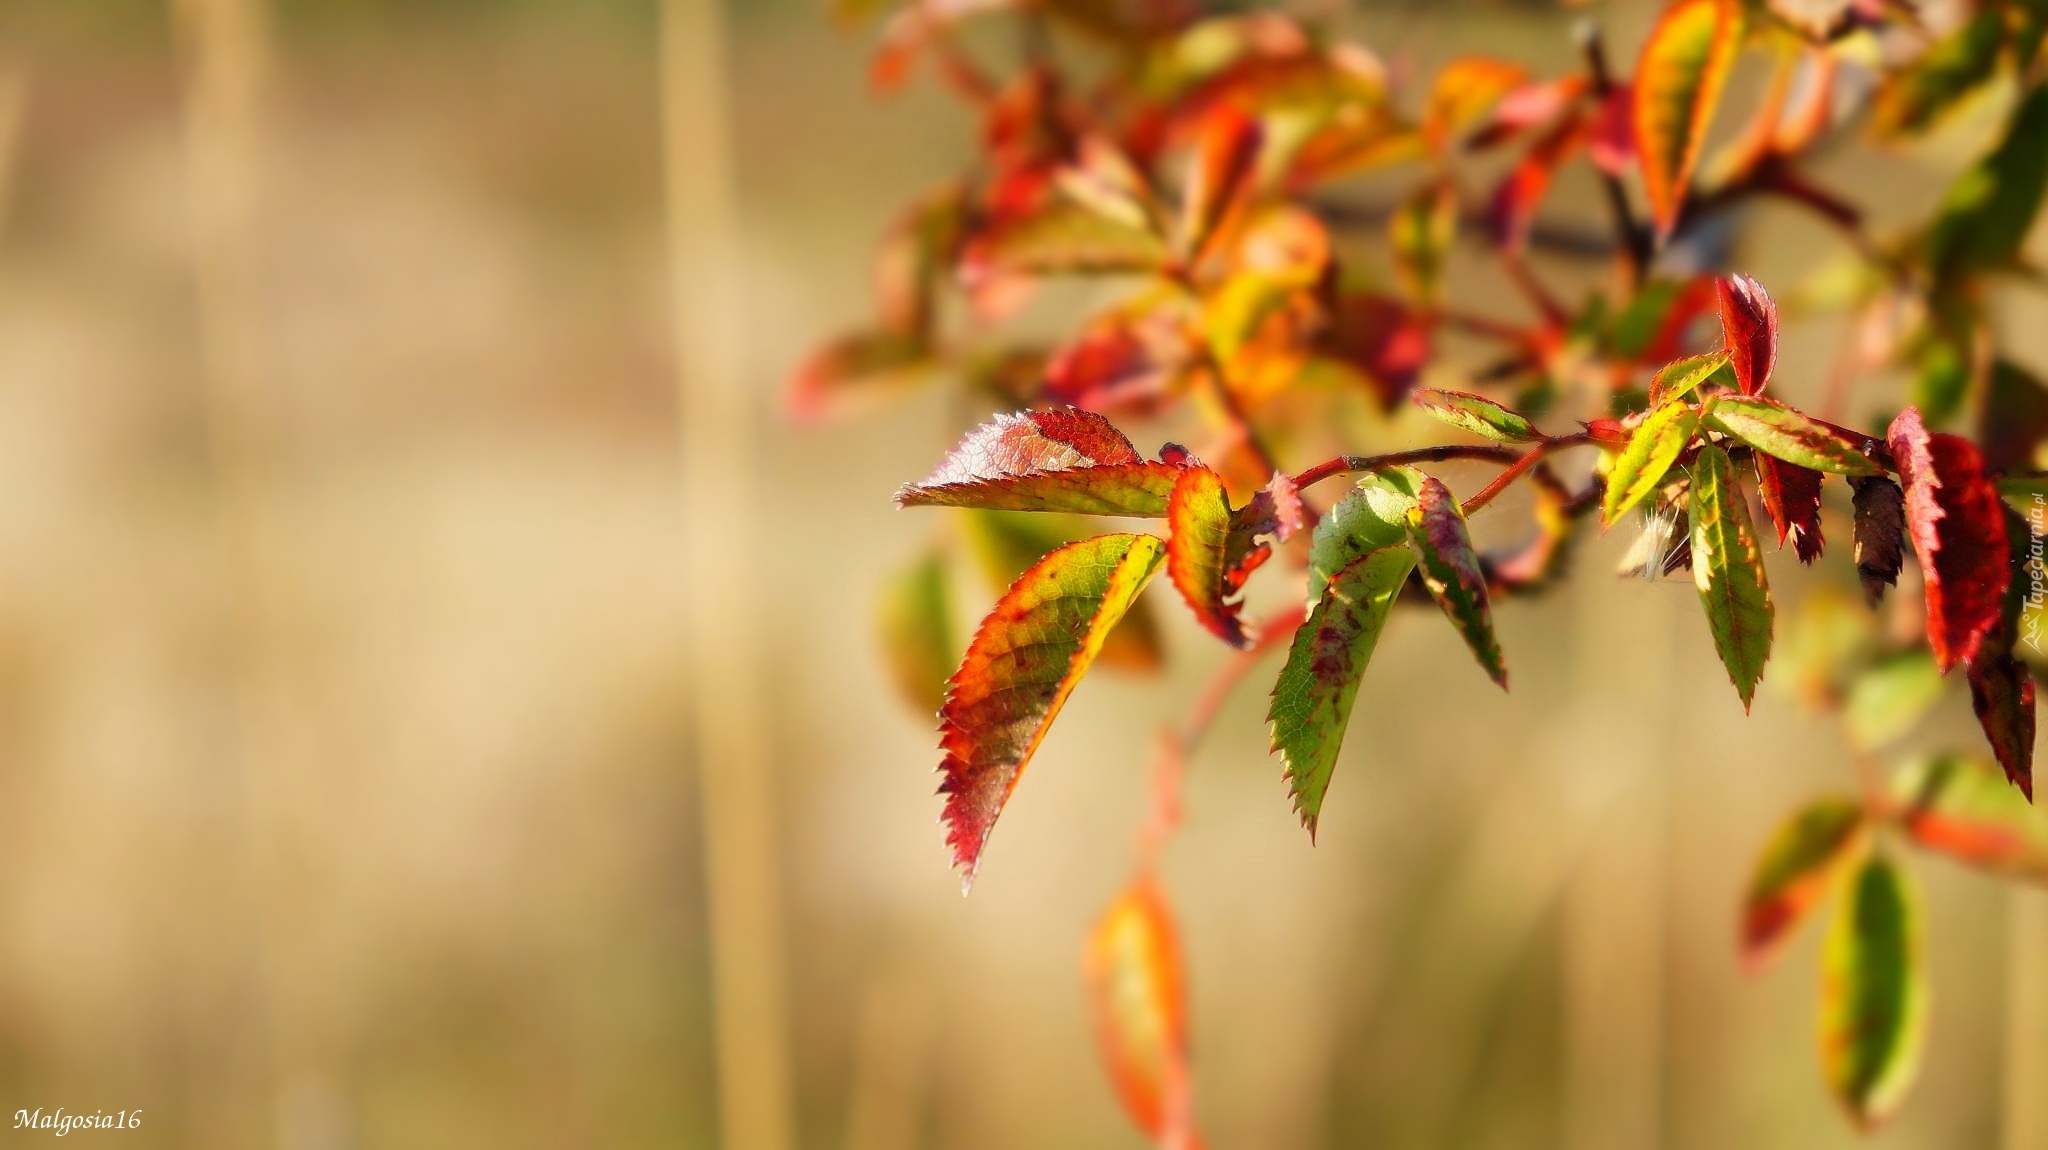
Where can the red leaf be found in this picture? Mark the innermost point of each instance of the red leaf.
(1052, 459)
(1613, 144)
(1800, 863)
(1749, 327)
(2002, 694)
(1226, 158)
(1383, 339)
(1957, 523)
(1792, 496)
(1024, 662)
(1513, 207)
(1139, 995)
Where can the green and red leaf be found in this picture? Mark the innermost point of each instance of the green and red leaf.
(1957, 525)
(855, 369)
(1678, 82)
(1214, 548)
(1965, 808)
(1450, 571)
(1728, 569)
(1749, 331)
(1681, 378)
(1873, 994)
(1313, 698)
(1138, 995)
(1784, 433)
(1025, 660)
(1653, 447)
(1796, 870)
(1477, 414)
(1052, 459)
(1006, 544)
(1221, 176)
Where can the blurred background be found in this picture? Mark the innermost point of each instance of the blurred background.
(356, 605)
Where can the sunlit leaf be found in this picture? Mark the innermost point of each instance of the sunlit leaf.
(1890, 698)
(1965, 808)
(1792, 499)
(1683, 377)
(1477, 414)
(1796, 870)
(1654, 446)
(1221, 175)
(1880, 534)
(1914, 99)
(1678, 82)
(1728, 569)
(1137, 990)
(916, 621)
(1957, 525)
(1062, 238)
(1784, 433)
(1025, 660)
(1053, 459)
(1370, 517)
(1463, 91)
(1450, 571)
(1313, 698)
(1749, 331)
(1873, 994)
(1989, 210)
(1215, 548)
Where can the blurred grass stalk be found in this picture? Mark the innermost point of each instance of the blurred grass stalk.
(2026, 1020)
(717, 438)
(225, 48)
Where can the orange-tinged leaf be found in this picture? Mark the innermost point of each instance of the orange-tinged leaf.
(1957, 525)
(854, 370)
(1678, 82)
(1137, 988)
(1465, 90)
(1965, 809)
(1873, 1011)
(1803, 860)
(1215, 548)
(1512, 211)
(1024, 662)
(1681, 378)
(1052, 459)
(1222, 175)
(1008, 543)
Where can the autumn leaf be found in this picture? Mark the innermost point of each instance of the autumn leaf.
(1006, 544)
(917, 631)
(1728, 569)
(1023, 663)
(1681, 378)
(1678, 81)
(1802, 861)
(855, 369)
(1450, 572)
(1062, 237)
(1420, 235)
(1381, 339)
(1221, 176)
(1137, 989)
(1749, 331)
(1783, 433)
(1880, 534)
(1873, 994)
(1965, 808)
(1512, 210)
(1373, 515)
(1477, 414)
(1463, 91)
(1957, 525)
(1313, 698)
(1792, 498)
(2002, 694)
(1215, 548)
(1652, 448)
(1917, 97)
(1052, 459)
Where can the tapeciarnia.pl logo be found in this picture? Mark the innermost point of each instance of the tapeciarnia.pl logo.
(2037, 571)
(61, 1123)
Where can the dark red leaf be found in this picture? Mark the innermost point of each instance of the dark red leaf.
(1957, 523)
(1749, 326)
(1792, 496)
(1383, 339)
(1880, 534)
(2002, 694)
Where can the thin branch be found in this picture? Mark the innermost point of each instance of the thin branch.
(1344, 464)
(1531, 458)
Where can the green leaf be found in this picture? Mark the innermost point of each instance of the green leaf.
(1988, 212)
(1912, 101)
(1964, 808)
(1372, 516)
(1063, 238)
(1873, 1010)
(1678, 82)
(1796, 870)
(1025, 660)
(1782, 433)
(1450, 571)
(916, 621)
(1478, 415)
(1312, 699)
(1421, 233)
(1728, 569)
(1008, 543)
(1890, 698)
(1679, 379)
(1655, 445)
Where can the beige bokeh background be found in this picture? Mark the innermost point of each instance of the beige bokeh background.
(345, 677)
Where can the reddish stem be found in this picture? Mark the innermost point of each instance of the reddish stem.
(1519, 467)
(1349, 463)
